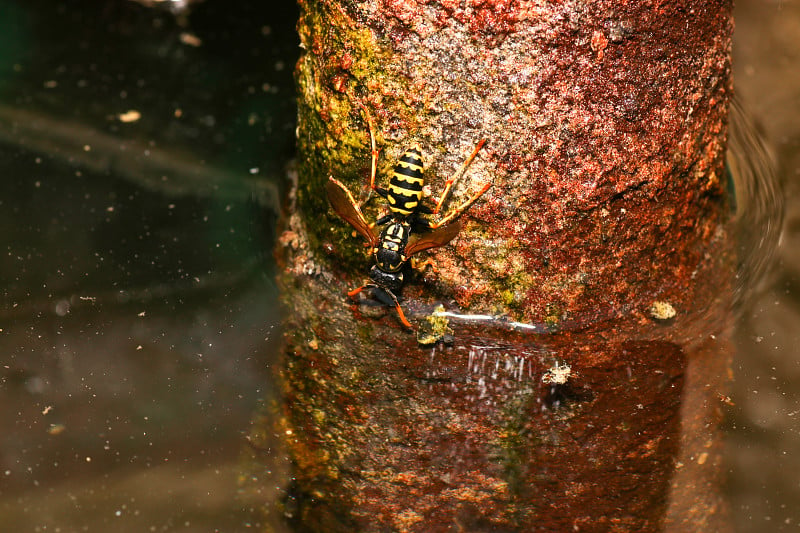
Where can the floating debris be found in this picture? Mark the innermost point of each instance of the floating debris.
(661, 310)
(557, 374)
(190, 39)
(129, 116)
(56, 429)
(727, 400)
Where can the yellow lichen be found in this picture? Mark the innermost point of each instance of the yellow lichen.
(437, 327)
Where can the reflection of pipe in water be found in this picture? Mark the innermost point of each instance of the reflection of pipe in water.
(505, 428)
(170, 172)
(61, 304)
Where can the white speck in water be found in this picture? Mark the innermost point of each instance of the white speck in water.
(129, 116)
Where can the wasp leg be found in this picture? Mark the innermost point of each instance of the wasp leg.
(458, 211)
(416, 264)
(400, 313)
(361, 288)
(402, 317)
(399, 309)
(449, 183)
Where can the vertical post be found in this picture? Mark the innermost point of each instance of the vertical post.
(606, 126)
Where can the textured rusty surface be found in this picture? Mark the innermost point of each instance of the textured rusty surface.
(386, 435)
(606, 129)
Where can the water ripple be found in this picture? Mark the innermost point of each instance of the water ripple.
(758, 203)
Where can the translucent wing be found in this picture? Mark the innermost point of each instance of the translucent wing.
(432, 239)
(346, 207)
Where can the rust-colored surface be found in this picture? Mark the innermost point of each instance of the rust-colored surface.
(606, 128)
(386, 435)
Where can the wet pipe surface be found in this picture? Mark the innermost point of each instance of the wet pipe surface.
(499, 431)
(606, 133)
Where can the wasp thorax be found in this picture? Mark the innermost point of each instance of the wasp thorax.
(389, 255)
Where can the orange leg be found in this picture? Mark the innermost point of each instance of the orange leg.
(458, 211)
(356, 291)
(399, 309)
(416, 264)
(449, 183)
(402, 316)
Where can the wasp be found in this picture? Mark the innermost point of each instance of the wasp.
(406, 228)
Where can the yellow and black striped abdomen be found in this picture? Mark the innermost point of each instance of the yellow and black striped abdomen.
(405, 187)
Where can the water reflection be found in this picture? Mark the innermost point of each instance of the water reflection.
(136, 335)
(138, 311)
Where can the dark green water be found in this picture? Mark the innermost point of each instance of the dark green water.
(138, 313)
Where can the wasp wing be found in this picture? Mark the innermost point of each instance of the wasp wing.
(432, 239)
(346, 207)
